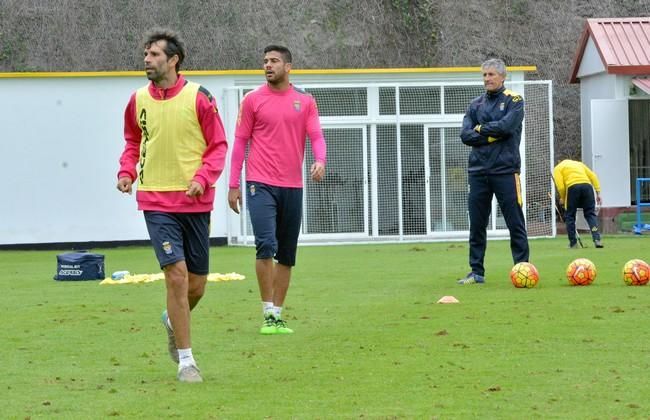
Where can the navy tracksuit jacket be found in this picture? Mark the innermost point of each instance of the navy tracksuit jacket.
(492, 127)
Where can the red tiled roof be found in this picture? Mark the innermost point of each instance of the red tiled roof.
(622, 43)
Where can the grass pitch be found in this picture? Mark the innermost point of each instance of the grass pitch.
(370, 340)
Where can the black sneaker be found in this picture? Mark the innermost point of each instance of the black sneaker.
(598, 244)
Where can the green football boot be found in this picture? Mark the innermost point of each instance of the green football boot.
(269, 325)
(281, 327)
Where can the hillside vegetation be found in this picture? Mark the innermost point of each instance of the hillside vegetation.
(102, 35)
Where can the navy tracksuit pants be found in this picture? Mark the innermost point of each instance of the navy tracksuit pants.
(507, 190)
(581, 196)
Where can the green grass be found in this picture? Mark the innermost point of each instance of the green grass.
(370, 340)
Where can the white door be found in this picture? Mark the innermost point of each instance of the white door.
(610, 146)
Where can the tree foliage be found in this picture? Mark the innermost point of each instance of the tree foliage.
(104, 35)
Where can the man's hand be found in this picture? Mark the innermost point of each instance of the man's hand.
(195, 189)
(317, 171)
(234, 199)
(125, 184)
(599, 201)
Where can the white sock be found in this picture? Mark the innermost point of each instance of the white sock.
(267, 307)
(185, 358)
(277, 312)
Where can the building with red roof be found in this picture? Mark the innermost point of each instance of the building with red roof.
(612, 65)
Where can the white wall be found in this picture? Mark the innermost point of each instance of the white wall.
(61, 141)
(62, 137)
(591, 62)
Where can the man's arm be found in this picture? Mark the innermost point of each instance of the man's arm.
(509, 123)
(594, 182)
(592, 177)
(126, 175)
(243, 133)
(468, 133)
(236, 163)
(318, 145)
(558, 179)
(214, 157)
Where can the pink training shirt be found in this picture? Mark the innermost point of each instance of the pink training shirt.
(213, 160)
(277, 124)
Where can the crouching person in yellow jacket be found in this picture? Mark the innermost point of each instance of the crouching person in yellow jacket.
(575, 184)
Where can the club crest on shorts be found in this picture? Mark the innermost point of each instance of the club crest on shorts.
(251, 189)
(296, 106)
(167, 247)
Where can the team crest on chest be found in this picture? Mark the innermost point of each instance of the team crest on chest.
(502, 106)
(296, 106)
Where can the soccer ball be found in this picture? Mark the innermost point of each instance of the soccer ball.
(636, 272)
(581, 272)
(524, 274)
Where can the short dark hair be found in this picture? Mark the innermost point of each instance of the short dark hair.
(175, 45)
(284, 51)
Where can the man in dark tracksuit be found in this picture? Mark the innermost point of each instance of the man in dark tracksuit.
(492, 127)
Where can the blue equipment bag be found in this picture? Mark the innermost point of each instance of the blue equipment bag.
(81, 265)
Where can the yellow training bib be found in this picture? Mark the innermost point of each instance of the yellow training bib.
(172, 144)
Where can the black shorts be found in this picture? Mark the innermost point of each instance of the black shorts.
(276, 214)
(181, 236)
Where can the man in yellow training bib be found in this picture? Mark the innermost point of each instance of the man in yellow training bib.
(175, 149)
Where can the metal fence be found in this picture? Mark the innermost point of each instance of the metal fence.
(397, 170)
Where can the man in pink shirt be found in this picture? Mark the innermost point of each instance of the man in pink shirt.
(175, 139)
(275, 120)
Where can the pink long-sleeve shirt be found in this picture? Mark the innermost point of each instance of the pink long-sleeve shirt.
(213, 159)
(277, 124)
